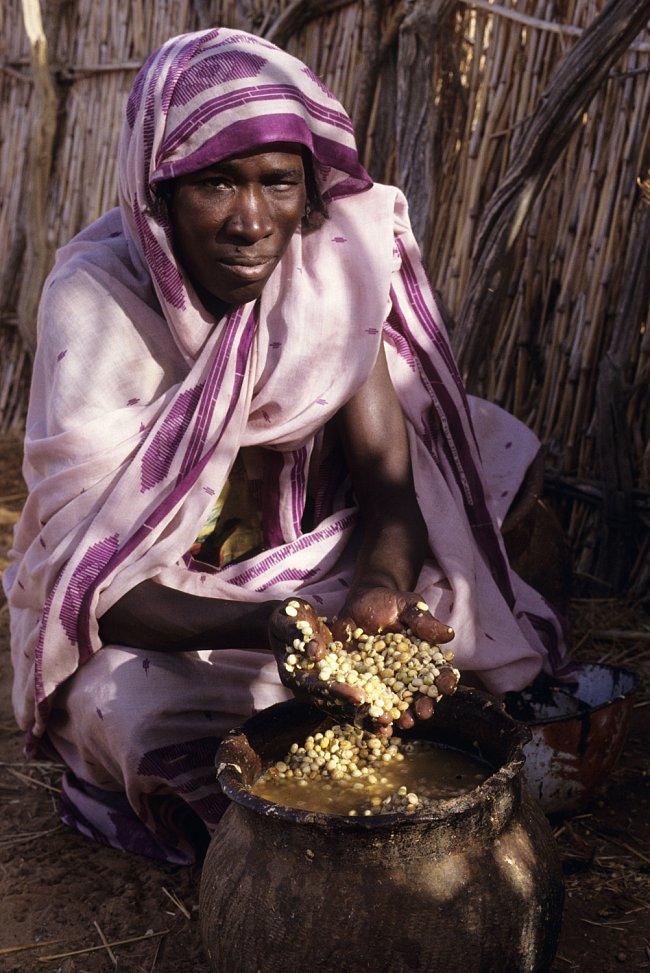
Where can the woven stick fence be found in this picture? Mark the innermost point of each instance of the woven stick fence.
(523, 149)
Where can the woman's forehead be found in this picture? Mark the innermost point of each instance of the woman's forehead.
(273, 153)
(277, 160)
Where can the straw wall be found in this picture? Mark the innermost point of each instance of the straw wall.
(442, 93)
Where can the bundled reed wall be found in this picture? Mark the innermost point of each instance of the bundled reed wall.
(442, 93)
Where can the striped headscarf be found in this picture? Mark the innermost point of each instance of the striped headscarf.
(204, 97)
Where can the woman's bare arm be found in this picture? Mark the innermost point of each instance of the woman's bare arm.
(395, 538)
(374, 435)
(151, 616)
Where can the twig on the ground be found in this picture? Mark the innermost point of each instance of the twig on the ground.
(35, 764)
(177, 902)
(105, 942)
(617, 844)
(616, 634)
(155, 955)
(28, 836)
(32, 780)
(607, 925)
(93, 949)
(7, 950)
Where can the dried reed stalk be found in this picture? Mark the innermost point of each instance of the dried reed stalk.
(94, 949)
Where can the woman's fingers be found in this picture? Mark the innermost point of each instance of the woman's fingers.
(377, 610)
(292, 622)
(424, 707)
(406, 720)
(353, 695)
(297, 619)
(416, 616)
(315, 650)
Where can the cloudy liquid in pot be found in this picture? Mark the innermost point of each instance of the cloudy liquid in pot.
(419, 774)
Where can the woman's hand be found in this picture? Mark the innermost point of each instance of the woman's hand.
(377, 610)
(295, 619)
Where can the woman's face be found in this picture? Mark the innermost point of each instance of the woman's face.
(232, 222)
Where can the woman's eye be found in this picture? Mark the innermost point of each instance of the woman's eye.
(285, 186)
(216, 182)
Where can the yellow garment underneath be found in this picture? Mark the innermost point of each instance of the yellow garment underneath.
(233, 530)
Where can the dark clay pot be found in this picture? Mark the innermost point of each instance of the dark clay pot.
(471, 885)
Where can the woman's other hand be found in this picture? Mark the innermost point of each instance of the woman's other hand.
(296, 621)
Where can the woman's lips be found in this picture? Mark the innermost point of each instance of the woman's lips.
(247, 269)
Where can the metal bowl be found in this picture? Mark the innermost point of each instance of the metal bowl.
(579, 728)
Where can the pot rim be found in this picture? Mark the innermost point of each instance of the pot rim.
(230, 778)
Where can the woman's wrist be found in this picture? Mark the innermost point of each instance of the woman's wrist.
(391, 556)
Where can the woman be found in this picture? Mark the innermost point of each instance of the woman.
(242, 392)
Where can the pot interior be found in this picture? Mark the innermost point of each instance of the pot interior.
(590, 687)
(469, 721)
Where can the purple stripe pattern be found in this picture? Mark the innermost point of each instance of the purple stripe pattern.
(159, 454)
(303, 543)
(180, 64)
(273, 465)
(214, 382)
(422, 307)
(135, 98)
(317, 81)
(187, 480)
(164, 270)
(276, 127)
(87, 569)
(289, 574)
(39, 654)
(223, 66)
(454, 423)
(249, 97)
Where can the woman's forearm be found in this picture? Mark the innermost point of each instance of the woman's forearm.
(154, 617)
(393, 549)
(395, 537)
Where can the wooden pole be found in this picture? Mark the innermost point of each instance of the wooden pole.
(38, 251)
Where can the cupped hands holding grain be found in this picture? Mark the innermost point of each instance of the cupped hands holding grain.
(380, 663)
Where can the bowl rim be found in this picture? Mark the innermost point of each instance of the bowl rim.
(572, 717)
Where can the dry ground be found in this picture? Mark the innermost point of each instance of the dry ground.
(62, 897)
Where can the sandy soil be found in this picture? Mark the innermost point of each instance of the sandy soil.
(62, 896)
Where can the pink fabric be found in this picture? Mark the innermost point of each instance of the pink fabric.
(140, 404)
(139, 731)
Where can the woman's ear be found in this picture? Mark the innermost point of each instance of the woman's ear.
(315, 208)
(164, 193)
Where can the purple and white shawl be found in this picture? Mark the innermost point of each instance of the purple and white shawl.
(140, 403)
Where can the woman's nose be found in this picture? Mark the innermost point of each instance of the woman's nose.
(250, 219)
